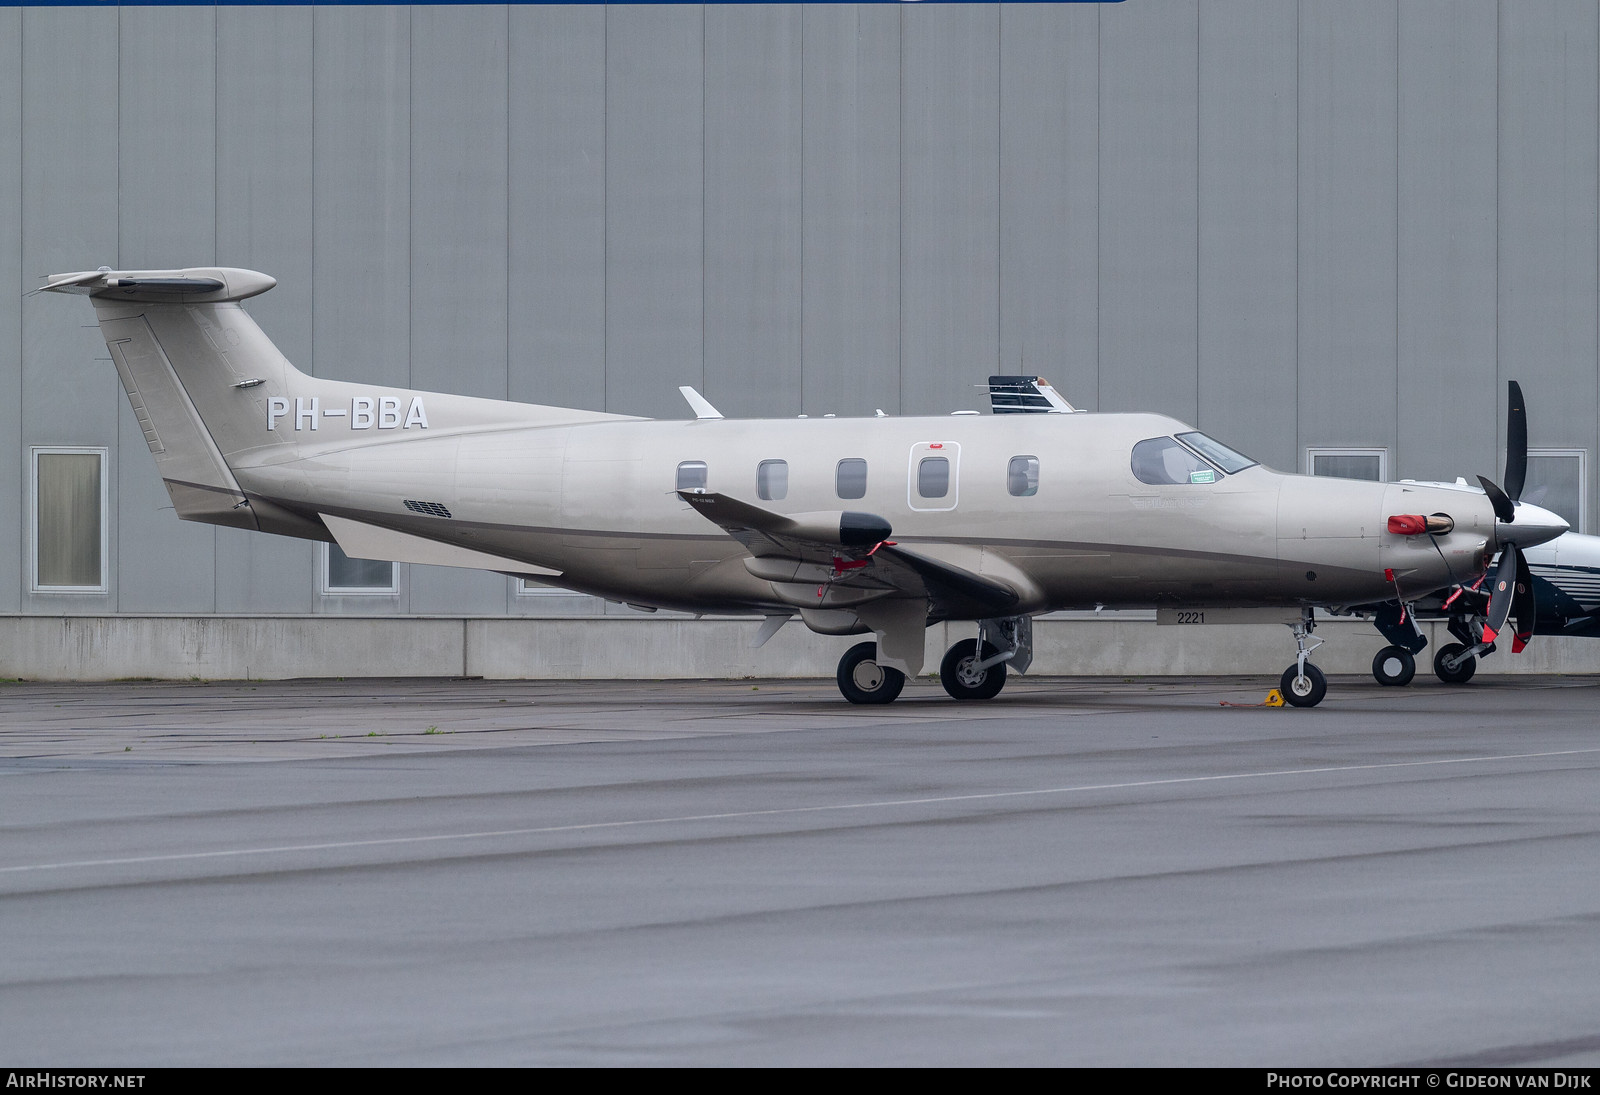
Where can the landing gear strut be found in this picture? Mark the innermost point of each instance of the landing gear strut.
(1455, 663)
(863, 680)
(1303, 684)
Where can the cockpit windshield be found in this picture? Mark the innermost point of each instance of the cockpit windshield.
(1215, 451)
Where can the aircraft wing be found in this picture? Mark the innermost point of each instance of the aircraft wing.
(854, 548)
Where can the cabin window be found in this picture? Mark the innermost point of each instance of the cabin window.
(1369, 464)
(772, 480)
(850, 478)
(342, 574)
(933, 476)
(1161, 461)
(692, 475)
(69, 520)
(1022, 476)
(1556, 482)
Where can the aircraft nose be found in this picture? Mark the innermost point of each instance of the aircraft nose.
(1533, 525)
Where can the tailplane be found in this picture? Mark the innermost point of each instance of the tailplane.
(189, 357)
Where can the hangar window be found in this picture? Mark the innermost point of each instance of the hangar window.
(342, 574)
(1371, 464)
(933, 476)
(69, 520)
(692, 475)
(772, 480)
(1556, 482)
(1161, 461)
(850, 478)
(1022, 476)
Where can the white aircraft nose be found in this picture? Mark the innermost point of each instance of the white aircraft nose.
(1533, 525)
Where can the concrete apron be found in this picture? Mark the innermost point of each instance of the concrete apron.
(49, 648)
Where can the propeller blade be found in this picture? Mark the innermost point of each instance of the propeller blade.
(1524, 606)
(1497, 498)
(1516, 441)
(1503, 590)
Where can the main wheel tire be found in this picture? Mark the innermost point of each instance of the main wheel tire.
(1462, 673)
(1394, 666)
(863, 680)
(958, 678)
(1306, 691)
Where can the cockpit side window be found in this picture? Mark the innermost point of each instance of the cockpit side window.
(1229, 460)
(1161, 461)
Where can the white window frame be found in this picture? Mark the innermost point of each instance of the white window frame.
(1312, 452)
(525, 588)
(330, 590)
(1583, 479)
(33, 517)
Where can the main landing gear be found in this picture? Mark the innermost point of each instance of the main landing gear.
(973, 669)
(863, 680)
(1303, 684)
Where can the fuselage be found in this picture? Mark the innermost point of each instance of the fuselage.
(596, 501)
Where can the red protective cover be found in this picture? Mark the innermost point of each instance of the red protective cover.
(1408, 524)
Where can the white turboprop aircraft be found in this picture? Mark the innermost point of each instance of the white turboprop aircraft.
(880, 525)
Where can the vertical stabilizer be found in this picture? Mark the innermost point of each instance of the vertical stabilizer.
(198, 373)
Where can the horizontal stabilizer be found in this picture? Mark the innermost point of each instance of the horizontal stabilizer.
(360, 540)
(208, 284)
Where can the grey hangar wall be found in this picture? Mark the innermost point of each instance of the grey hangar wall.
(1319, 224)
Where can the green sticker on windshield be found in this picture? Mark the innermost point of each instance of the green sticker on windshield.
(1207, 476)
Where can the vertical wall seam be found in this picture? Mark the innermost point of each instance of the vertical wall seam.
(704, 250)
(800, 167)
(505, 222)
(605, 207)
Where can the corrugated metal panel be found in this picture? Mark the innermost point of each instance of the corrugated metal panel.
(655, 208)
(1547, 173)
(1248, 191)
(12, 285)
(1148, 233)
(556, 266)
(1446, 303)
(361, 218)
(851, 217)
(1348, 179)
(752, 204)
(950, 213)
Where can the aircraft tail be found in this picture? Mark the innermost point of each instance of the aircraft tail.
(214, 396)
(196, 370)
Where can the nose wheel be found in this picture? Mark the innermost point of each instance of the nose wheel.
(863, 680)
(1302, 684)
(1303, 689)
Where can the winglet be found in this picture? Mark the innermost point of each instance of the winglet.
(699, 404)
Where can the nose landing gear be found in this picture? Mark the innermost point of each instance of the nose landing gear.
(1303, 684)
